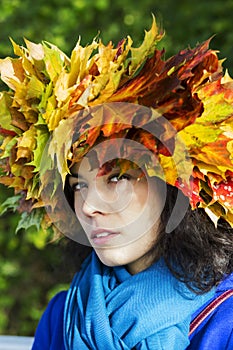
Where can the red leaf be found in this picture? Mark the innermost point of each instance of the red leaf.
(5, 132)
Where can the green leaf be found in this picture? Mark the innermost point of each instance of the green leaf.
(10, 203)
(197, 135)
(5, 115)
(42, 137)
(147, 47)
(28, 220)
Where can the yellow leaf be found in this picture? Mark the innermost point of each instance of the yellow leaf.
(196, 135)
(60, 149)
(11, 72)
(54, 61)
(230, 149)
(147, 47)
(35, 88)
(26, 144)
(36, 50)
(226, 78)
(215, 154)
(61, 88)
(81, 62)
(5, 115)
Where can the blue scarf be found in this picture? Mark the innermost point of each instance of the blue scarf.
(107, 308)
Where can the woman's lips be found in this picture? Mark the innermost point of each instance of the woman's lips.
(102, 236)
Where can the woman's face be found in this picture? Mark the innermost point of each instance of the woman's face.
(120, 214)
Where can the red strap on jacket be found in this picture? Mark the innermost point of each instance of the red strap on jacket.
(208, 309)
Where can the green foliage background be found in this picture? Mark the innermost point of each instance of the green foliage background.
(29, 272)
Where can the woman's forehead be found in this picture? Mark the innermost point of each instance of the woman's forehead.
(86, 166)
(81, 167)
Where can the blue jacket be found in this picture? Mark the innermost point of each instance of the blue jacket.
(215, 333)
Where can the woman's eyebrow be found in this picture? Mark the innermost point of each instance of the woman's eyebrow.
(76, 175)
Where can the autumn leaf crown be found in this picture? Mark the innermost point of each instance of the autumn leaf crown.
(58, 99)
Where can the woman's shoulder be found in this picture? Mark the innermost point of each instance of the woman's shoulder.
(216, 331)
(226, 284)
(49, 333)
(54, 308)
(56, 304)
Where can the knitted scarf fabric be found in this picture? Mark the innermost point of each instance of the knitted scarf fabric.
(107, 308)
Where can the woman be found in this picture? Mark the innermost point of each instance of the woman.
(142, 286)
(131, 144)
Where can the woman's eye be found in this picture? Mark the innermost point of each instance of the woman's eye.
(78, 186)
(117, 177)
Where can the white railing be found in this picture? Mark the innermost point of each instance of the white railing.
(15, 343)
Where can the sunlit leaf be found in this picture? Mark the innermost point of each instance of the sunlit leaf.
(152, 37)
(60, 107)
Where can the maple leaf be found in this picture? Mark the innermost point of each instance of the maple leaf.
(215, 153)
(191, 190)
(160, 83)
(60, 150)
(222, 192)
(179, 111)
(113, 118)
(12, 72)
(5, 132)
(152, 37)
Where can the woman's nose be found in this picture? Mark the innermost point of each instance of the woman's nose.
(99, 200)
(89, 209)
(94, 203)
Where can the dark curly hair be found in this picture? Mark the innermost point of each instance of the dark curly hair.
(196, 252)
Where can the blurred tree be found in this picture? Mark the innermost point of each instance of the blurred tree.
(26, 275)
(62, 21)
(30, 275)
